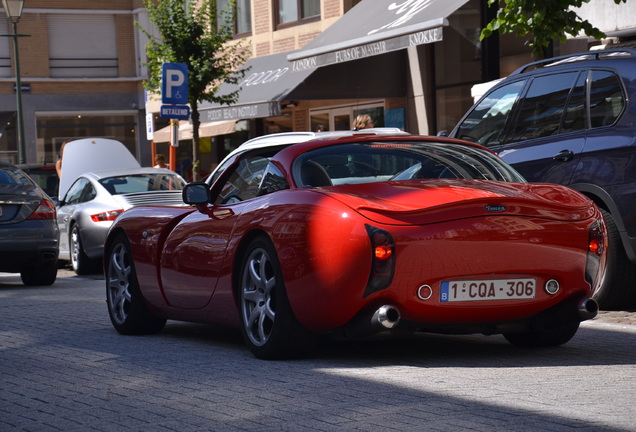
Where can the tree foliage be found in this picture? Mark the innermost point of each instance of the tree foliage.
(543, 20)
(189, 33)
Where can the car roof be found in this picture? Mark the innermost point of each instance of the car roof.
(93, 154)
(299, 137)
(618, 53)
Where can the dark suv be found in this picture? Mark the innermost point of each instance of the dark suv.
(572, 120)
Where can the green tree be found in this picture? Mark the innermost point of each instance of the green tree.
(196, 34)
(543, 20)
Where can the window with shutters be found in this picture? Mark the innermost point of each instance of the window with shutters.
(242, 15)
(5, 53)
(82, 46)
(292, 12)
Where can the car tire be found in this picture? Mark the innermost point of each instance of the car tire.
(80, 262)
(546, 338)
(618, 290)
(40, 276)
(126, 306)
(270, 329)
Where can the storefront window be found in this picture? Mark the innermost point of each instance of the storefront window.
(455, 73)
(8, 139)
(458, 63)
(320, 122)
(376, 114)
(341, 118)
(53, 130)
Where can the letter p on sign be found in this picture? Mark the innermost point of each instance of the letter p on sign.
(174, 83)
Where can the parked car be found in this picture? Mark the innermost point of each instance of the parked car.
(96, 195)
(354, 233)
(45, 176)
(28, 229)
(571, 120)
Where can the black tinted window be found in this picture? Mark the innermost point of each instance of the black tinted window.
(487, 120)
(386, 161)
(243, 183)
(606, 99)
(10, 176)
(574, 118)
(542, 108)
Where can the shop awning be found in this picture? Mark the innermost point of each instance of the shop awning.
(269, 80)
(209, 129)
(376, 27)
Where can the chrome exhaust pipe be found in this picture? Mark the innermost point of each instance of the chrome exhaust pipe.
(387, 316)
(372, 322)
(588, 308)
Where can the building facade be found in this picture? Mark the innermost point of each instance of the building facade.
(80, 73)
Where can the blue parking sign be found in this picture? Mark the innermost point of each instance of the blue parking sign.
(174, 83)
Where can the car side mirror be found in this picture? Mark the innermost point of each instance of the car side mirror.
(197, 193)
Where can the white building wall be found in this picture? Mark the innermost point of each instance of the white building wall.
(608, 16)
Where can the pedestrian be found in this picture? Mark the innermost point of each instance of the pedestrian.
(58, 162)
(363, 121)
(160, 161)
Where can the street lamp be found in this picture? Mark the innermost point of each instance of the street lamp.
(13, 10)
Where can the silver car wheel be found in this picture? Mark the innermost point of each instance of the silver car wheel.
(119, 269)
(76, 248)
(258, 296)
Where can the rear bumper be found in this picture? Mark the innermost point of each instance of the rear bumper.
(573, 310)
(16, 261)
(28, 247)
(570, 311)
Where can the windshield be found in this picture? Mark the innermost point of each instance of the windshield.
(142, 183)
(382, 161)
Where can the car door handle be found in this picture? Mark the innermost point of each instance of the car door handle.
(564, 156)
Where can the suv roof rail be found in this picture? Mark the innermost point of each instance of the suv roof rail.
(610, 53)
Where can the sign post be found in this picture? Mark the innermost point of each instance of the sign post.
(174, 97)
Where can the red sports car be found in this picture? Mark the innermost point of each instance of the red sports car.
(349, 234)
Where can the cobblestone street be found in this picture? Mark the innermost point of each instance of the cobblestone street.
(64, 368)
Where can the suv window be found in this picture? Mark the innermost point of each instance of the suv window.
(486, 122)
(606, 98)
(541, 109)
(574, 118)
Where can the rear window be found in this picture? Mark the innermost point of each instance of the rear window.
(10, 176)
(382, 161)
(141, 183)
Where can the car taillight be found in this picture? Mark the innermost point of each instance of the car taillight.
(109, 215)
(46, 210)
(596, 255)
(382, 260)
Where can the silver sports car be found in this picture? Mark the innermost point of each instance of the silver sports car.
(94, 198)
